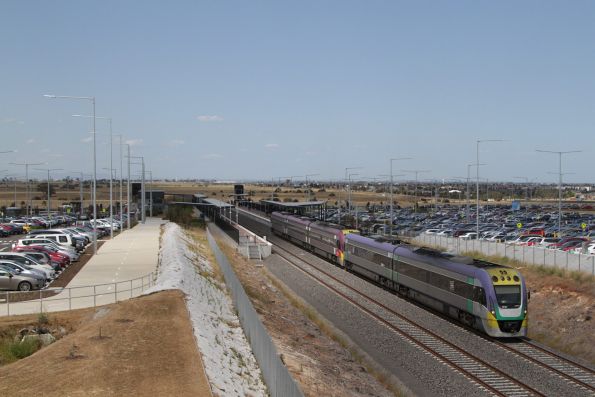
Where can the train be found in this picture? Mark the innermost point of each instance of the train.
(485, 296)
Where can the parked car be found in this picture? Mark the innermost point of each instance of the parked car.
(15, 281)
(54, 254)
(22, 259)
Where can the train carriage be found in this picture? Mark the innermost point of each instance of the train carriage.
(484, 295)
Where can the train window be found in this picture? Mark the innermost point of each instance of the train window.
(463, 289)
(508, 296)
(479, 295)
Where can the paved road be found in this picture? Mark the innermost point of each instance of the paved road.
(130, 255)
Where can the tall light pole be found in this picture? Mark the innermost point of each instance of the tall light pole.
(468, 192)
(111, 166)
(391, 189)
(559, 153)
(81, 189)
(128, 189)
(347, 169)
(477, 163)
(142, 163)
(416, 172)
(150, 193)
(349, 200)
(49, 191)
(27, 179)
(92, 100)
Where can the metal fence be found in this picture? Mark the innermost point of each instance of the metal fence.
(534, 255)
(275, 373)
(68, 298)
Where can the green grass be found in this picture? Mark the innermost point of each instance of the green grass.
(12, 350)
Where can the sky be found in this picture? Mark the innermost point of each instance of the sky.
(247, 90)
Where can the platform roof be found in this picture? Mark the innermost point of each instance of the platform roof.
(299, 204)
(216, 203)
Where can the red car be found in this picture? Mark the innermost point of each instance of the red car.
(55, 256)
(566, 241)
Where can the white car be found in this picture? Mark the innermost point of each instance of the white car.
(469, 236)
(23, 259)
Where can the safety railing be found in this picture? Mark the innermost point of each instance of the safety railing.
(68, 298)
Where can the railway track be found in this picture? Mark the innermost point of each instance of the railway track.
(483, 373)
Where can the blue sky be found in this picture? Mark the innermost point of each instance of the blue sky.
(249, 90)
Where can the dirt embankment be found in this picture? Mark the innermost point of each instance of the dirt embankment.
(141, 347)
(322, 365)
(561, 312)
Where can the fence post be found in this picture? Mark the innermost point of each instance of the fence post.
(566, 260)
(579, 261)
(40, 303)
(69, 299)
(94, 297)
(130, 289)
(116, 291)
(8, 303)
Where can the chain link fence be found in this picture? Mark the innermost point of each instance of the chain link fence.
(275, 373)
(534, 255)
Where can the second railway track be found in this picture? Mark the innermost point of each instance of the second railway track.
(480, 371)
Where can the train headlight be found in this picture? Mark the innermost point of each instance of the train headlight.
(525, 311)
(493, 312)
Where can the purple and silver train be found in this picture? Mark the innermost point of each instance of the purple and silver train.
(486, 296)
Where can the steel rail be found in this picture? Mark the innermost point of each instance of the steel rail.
(403, 333)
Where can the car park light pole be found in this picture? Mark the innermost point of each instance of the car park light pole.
(560, 153)
(349, 199)
(477, 163)
(27, 180)
(347, 169)
(142, 163)
(81, 189)
(111, 156)
(416, 172)
(391, 189)
(92, 100)
(468, 214)
(128, 189)
(49, 195)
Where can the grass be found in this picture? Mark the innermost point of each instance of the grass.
(12, 349)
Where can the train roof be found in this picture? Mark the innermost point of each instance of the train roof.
(457, 263)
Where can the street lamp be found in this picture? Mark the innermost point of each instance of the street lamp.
(468, 192)
(27, 179)
(92, 100)
(391, 189)
(349, 200)
(559, 181)
(142, 163)
(416, 172)
(49, 195)
(477, 163)
(111, 152)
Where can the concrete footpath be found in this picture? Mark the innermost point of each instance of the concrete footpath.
(121, 269)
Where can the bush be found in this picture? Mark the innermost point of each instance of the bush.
(12, 350)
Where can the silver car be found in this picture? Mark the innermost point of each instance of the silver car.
(14, 281)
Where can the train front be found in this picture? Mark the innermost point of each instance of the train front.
(506, 315)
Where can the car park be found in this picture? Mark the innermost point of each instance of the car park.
(23, 269)
(22, 259)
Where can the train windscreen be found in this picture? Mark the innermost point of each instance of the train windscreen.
(508, 296)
